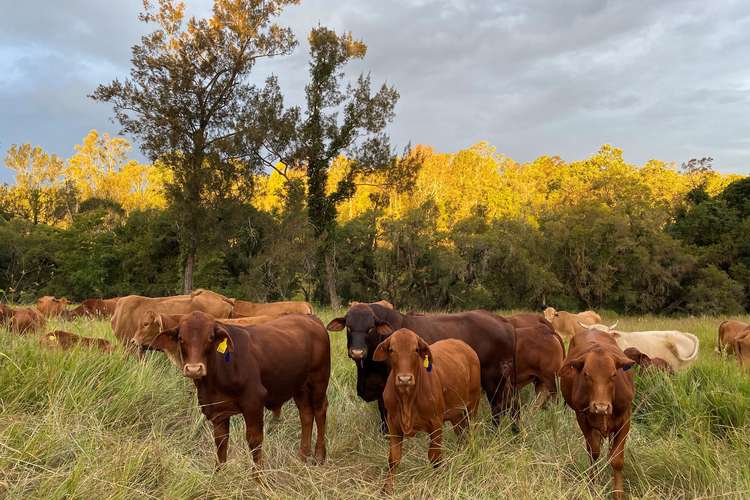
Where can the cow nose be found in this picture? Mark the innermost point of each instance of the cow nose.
(601, 408)
(405, 379)
(194, 370)
(357, 353)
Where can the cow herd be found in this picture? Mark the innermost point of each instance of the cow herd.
(422, 369)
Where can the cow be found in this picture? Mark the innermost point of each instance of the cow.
(539, 356)
(427, 386)
(492, 337)
(567, 324)
(240, 370)
(243, 308)
(647, 363)
(596, 383)
(153, 323)
(742, 349)
(383, 303)
(130, 309)
(21, 320)
(66, 340)
(678, 349)
(94, 308)
(51, 306)
(729, 332)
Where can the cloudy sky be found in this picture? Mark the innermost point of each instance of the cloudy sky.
(667, 80)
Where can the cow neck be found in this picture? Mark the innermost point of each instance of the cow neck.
(407, 401)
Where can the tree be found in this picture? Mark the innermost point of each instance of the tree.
(188, 101)
(336, 120)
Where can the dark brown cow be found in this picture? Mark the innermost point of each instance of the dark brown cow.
(597, 385)
(646, 363)
(539, 356)
(428, 385)
(21, 320)
(67, 340)
(51, 307)
(242, 370)
(491, 337)
(95, 308)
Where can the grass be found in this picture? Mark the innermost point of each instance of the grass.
(81, 424)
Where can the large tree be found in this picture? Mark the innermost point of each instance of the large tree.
(339, 118)
(189, 99)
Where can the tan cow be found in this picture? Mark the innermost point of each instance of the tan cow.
(679, 349)
(21, 320)
(729, 332)
(243, 308)
(567, 324)
(130, 309)
(51, 306)
(742, 349)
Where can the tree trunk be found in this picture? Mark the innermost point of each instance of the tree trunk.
(188, 277)
(331, 280)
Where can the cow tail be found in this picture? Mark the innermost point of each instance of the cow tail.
(514, 393)
(718, 337)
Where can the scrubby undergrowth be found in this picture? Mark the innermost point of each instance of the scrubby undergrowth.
(87, 425)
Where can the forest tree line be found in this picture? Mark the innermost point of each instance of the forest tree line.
(247, 195)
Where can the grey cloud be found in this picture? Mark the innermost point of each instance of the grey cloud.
(663, 80)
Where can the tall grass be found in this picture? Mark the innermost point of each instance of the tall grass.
(83, 424)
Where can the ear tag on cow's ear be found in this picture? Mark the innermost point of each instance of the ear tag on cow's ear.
(52, 338)
(427, 363)
(222, 347)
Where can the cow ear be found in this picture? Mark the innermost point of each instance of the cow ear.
(381, 351)
(166, 340)
(336, 324)
(425, 352)
(623, 362)
(383, 328)
(576, 363)
(221, 334)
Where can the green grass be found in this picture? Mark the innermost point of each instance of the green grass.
(81, 424)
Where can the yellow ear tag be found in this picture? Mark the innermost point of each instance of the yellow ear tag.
(426, 361)
(52, 338)
(222, 347)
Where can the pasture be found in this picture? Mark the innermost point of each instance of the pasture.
(83, 424)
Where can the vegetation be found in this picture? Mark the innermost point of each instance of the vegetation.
(88, 425)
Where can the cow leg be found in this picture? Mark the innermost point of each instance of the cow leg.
(382, 410)
(306, 417)
(542, 394)
(221, 439)
(434, 452)
(320, 409)
(394, 458)
(617, 460)
(254, 432)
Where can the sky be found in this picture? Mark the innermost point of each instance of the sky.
(668, 80)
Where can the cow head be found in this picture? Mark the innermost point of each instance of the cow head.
(408, 354)
(550, 313)
(637, 356)
(196, 337)
(597, 370)
(362, 328)
(149, 327)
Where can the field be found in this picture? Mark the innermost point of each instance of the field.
(86, 425)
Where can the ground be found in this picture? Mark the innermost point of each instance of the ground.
(87, 425)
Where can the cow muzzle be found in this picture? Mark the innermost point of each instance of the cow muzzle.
(357, 354)
(405, 379)
(600, 408)
(194, 370)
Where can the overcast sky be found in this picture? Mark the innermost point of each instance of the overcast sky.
(667, 80)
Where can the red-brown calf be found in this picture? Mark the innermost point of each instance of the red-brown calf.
(242, 370)
(67, 340)
(596, 385)
(427, 386)
(539, 356)
(646, 363)
(21, 320)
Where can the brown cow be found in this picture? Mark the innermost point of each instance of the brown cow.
(428, 385)
(67, 340)
(51, 306)
(242, 370)
(243, 308)
(729, 332)
(742, 349)
(596, 384)
(21, 320)
(130, 309)
(95, 308)
(646, 362)
(539, 356)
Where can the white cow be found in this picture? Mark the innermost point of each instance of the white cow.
(679, 349)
